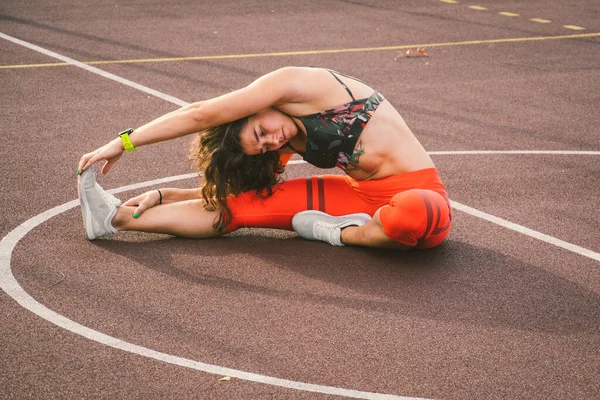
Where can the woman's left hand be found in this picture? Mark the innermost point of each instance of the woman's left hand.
(111, 152)
(143, 202)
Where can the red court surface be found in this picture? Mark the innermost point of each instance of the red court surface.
(508, 307)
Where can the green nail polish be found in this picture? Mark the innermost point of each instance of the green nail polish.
(78, 172)
(135, 215)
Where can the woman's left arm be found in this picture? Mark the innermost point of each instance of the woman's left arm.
(278, 87)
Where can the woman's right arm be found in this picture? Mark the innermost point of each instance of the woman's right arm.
(276, 88)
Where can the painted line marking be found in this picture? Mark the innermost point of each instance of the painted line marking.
(511, 14)
(526, 231)
(289, 53)
(516, 152)
(9, 284)
(95, 70)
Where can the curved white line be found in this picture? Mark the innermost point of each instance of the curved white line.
(9, 284)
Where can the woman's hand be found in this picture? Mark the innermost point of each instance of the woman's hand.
(111, 152)
(143, 202)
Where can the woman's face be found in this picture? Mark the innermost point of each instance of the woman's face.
(267, 130)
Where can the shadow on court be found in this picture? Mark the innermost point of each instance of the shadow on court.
(456, 282)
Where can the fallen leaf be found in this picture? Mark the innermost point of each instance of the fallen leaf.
(420, 52)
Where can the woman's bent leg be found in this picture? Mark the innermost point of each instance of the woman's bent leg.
(185, 218)
(414, 218)
(371, 234)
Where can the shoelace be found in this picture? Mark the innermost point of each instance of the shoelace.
(107, 197)
(325, 231)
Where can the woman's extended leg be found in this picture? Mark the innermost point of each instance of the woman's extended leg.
(185, 218)
(102, 217)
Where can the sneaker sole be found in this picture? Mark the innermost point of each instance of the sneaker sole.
(85, 211)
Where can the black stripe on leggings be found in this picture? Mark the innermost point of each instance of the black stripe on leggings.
(429, 210)
(309, 200)
(321, 190)
(439, 215)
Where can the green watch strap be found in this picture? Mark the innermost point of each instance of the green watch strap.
(127, 145)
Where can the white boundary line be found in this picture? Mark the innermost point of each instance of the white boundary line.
(526, 231)
(95, 70)
(515, 152)
(9, 284)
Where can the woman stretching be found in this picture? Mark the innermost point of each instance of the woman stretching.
(391, 195)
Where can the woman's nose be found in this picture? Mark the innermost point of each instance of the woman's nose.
(273, 139)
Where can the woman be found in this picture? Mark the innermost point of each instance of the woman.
(391, 196)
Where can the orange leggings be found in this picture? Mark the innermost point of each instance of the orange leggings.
(415, 210)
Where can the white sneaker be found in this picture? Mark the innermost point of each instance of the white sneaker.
(317, 225)
(97, 206)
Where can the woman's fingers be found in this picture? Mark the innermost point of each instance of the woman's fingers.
(83, 162)
(143, 202)
(133, 202)
(89, 159)
(143, 206)
(111, 152)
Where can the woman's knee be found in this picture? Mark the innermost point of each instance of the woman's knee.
(415, 216)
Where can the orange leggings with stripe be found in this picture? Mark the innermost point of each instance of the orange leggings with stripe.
(415, 209)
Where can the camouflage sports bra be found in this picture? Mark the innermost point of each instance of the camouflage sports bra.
(331, 135)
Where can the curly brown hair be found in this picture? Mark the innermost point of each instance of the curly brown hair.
(217, 152)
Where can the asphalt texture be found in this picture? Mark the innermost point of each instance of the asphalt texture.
(492, 313)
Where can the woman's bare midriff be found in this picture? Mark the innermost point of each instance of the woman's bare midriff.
(390, 148)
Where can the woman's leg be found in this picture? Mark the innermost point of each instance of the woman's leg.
(371, 234)
(414, 218)
(330, 193)
(185, 218)
(190, 219)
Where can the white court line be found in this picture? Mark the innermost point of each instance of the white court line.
(515, 152)
(526, 231)
(10, 285)
(95, 70)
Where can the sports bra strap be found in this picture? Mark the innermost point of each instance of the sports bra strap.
(288, 144)
(343, 84)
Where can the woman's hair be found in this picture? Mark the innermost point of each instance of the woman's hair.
(228, 171)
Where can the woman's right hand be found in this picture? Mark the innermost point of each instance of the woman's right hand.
(143, 202)
(110, 152)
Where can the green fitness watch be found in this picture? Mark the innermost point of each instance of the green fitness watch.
(127, 145)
